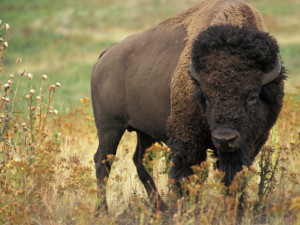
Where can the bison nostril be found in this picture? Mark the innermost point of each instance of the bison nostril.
(226, 139)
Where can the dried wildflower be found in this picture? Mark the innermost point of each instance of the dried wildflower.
(5, 44)
(5, 99)
(10, 82)
(29, 76)
(55, 112)
(52, 87)
(57, 84)
(6, 86)
(5, 26)
(32, 91)
(44, 77)
(24, 126)
(21, 72)
(17, 159)
(18, 60)
(85, 101)
(27, 96)
(11, 76)
(38, 97)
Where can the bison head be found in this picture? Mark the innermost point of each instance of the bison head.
(239, 86)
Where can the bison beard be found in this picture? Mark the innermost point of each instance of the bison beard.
(232, 163)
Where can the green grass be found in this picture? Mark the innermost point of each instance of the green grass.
(64, 38)
(276, 7)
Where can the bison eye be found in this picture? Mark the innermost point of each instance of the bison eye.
(252, 100)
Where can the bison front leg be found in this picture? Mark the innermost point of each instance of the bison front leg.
(183, 157)
(144, 142)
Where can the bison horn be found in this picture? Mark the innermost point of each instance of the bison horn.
(193, 72)
(269, 76)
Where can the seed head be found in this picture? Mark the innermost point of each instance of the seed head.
(21, 72)
(38, 97)
(44, 77)
(52, 87)
(10, 82)
(17, 159)
(5, 99)
(29, 76)
(57, 84)
(5, 44)
(6, 87)
(27, 96)
(32, 91)
(55, 112)
(18, 60)
(12, 76)
(5, 26)
(25, 128)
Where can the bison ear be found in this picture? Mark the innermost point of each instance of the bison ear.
(193, 73)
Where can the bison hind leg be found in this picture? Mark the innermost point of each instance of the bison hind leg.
(144, 141)
(109, 134)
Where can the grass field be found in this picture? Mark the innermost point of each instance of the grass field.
(46, 171)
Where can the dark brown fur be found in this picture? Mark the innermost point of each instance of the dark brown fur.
(230, 62)
(142, 84)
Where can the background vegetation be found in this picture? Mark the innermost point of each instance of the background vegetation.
(46, 168)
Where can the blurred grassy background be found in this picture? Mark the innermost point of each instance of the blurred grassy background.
(63, 38)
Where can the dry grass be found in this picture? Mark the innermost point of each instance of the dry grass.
(47, 173)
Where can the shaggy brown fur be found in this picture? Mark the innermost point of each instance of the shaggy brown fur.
(229, 61)
(143, 84)
(182, 126)
(181, 122)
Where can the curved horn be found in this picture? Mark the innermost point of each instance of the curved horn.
(193, 72)
(268, 77)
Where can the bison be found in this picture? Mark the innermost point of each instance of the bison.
(208, 78)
